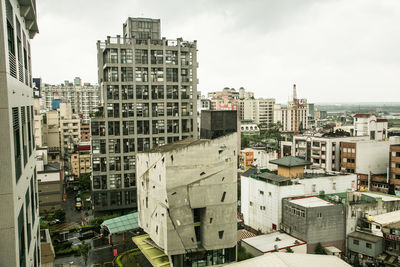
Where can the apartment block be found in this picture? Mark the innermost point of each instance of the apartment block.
(150, 99)
(187, 194)
(260, 111)
(293, 118)
(315, 220)
(19, 225)
(322, 152)
(84, 98)
(395, 168)
(70, 132)
(227, 99)
(81, 160)
(370, 125)
(370, 161)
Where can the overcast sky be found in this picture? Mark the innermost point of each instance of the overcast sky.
(334, 50)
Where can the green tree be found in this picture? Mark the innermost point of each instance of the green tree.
(289, 250)
(319, 249)
(84, 181)
(59, 214)
(83, 250)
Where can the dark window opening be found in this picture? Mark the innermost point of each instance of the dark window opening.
(223, 197)
(202, 173)
(197, 232)
(211, 220)
(221, 234)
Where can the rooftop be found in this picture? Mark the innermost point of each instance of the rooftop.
(311, 202)
(362, 115)
(250, 172)
(268, 243)
(290, 161)
(386, 218)
(292, 260)
(365, 236)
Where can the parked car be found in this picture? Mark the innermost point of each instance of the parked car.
(55, 221)
(78, 203)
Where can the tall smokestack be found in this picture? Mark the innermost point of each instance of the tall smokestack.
(294, 92)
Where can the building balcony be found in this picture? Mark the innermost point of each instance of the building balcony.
(395, 170)
(395, 159)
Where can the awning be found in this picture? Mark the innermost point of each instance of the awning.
(156, 257)
(122, 223)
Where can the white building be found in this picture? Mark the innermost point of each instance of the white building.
(260, 111)
(187, 195)
(19, 224)
(322, 152)
(261, 197)
(84, 99)
(249, 128)
(257, 157)
(273, 242)
(369, 125)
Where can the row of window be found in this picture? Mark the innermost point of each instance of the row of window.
(141, 74)
(100, 181)
(18, 48)
(142, 127)
(127, 110)
(127, 92)
(110, 55)
(114, 198)
(26, 222)
(22, 121)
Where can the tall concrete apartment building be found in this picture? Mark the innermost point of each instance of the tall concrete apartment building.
(260, 111)
(19, 224)
(149, 85)
(84, 99)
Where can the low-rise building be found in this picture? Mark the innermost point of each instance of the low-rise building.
(323, 152)
(314, 220)
(273, 242)
(49, 183)
(258, 157)
(262, 193)
(370, 125)
(81, 160)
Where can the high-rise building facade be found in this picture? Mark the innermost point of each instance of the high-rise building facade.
(294, 117)
(19, 224)
(84, 98)
(149, 86)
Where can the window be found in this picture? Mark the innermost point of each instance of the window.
(220, 234)
(223, 197)
(141, 56)
(356, 242)
(368, 245)
(156, 57)
(126, 56)
(129, 180)
(17, 143)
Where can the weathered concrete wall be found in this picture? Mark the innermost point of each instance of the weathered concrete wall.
(171, 184)
(375, 250)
